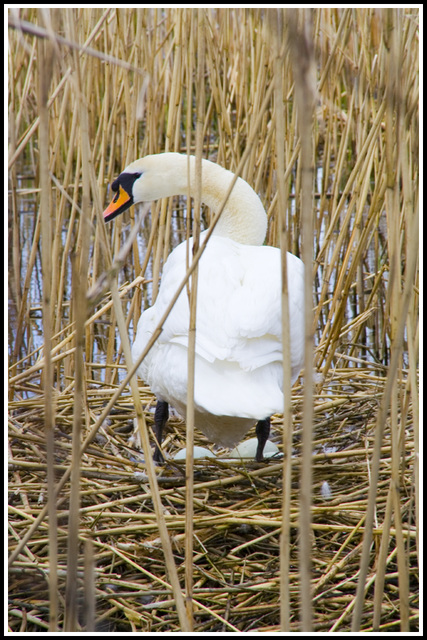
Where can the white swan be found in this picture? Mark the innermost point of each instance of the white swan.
(238, 369)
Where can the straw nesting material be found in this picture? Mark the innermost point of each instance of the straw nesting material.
(237, 518)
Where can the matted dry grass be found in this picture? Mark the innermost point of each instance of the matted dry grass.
(237, 520)
(91, 90)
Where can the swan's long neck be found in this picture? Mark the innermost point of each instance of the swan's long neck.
(243, 218)
(162, 175)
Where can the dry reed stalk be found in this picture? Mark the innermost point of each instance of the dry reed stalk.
(277, 32)
(301, 54)
(79, 271)
(190, 420)
(357, 315)
(45, 54)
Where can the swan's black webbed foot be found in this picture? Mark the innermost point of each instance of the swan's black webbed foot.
(161, 416)
(262, 433)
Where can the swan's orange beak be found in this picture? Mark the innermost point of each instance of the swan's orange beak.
(121, 201)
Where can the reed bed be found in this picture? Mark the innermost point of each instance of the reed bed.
(97, 537)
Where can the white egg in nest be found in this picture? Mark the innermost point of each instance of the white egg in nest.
(247, 449)
(198, 453)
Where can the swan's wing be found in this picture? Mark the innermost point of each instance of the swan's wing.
(238, 330)
(239, 304)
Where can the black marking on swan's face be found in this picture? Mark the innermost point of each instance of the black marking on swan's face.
(126, 181)
(123, 188)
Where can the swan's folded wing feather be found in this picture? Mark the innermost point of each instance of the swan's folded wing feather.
(238, 304)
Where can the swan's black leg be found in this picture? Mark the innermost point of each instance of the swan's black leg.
(262, 433)
(161, 416)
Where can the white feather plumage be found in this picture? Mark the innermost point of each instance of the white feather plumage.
(239, 325)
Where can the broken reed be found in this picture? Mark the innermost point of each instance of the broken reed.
(137, 98)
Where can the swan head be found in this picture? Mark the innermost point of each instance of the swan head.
(149, 178)
(163, 175)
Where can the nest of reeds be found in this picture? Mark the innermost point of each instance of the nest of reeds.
(237, 520)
